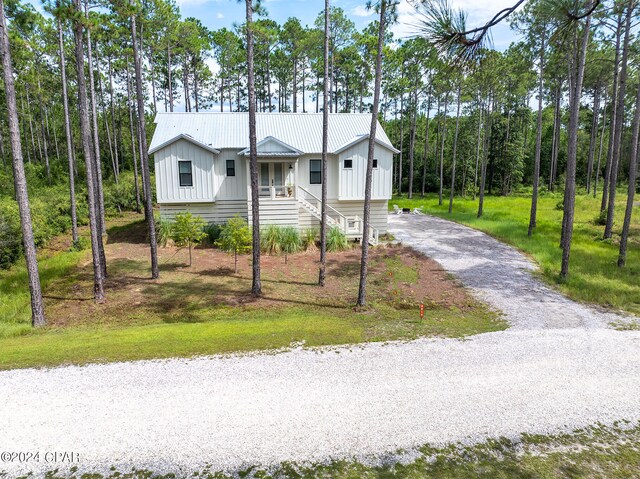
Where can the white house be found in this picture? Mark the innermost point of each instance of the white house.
(202, 166)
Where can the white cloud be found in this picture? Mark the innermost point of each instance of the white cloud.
(362, 11)
(219, 15)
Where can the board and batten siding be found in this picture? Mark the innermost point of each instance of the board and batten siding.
(332, 175)
(231, 187)
(351, 181)
(168, 189)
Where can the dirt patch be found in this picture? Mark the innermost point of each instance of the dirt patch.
(399, 280)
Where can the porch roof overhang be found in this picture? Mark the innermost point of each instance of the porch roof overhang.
(360, 138)
(186, 137)
(290, 151)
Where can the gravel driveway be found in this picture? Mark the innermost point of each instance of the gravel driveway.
(497, 273)
(559, 368)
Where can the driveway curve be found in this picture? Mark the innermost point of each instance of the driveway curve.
(554, 371)
(497, 273)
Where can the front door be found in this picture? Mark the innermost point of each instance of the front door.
(272, 176)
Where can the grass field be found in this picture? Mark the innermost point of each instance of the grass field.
(206, 309)
(594, 274)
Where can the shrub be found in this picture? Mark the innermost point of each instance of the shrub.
(187, 231)
(601, 219)
(121, 196)
(81, 244)
(289, 241)
(163, 231)
(10, 233)
(308, 239)
(336, 240)
(270, 239)
(235, 238)
(213, 231)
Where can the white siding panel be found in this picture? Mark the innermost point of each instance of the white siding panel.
(218, 212)
(271, 146)
(351, 182)
(168, 187)
(231, 187)
(332, 175)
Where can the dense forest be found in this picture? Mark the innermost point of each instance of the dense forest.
(556, 111)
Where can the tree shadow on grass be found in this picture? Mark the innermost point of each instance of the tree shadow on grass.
(132, 233)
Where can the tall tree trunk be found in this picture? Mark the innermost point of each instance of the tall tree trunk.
(412, 142)
(426, 146)
(556, 139)
(572, 150)
(85, 134)
(366, 216)
(444, 138)
(44, 134)
(67, 128)
(594, 136)
(478, 143)
(325, 147)
(401, 144)
(612, 122)
(169, 80)
(19, 179)
(113, 121)
(455, 151)
(602, 130)
(256, 284)
(133, 139)
(536, 168)
(49, 130)
(106, 121)
(144, 157)
(24, 128)
(33, 140)
(485, 159)
(96, 136)
(153, 82)
(622, 90)
(631, 190)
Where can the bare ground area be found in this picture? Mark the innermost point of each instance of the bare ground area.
(400, 279)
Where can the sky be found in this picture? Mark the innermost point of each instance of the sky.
(216, 14)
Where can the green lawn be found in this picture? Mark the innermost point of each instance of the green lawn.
(594, 274)
(206, 309)
(594, 453)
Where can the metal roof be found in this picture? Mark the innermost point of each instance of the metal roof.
(302, 131)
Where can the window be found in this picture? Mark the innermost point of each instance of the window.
(348, 163)
(375, 164)
(231, 167)
(315, 172)
(186, 173)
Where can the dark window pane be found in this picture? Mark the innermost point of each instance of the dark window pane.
(231, 168)
(315, 172)
(375, 163)
(185, 173)
(186, 179)
(348, 163)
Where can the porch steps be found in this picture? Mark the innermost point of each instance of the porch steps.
(342, 222)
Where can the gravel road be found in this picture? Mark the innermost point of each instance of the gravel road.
(559, 368)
